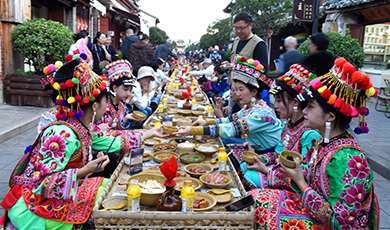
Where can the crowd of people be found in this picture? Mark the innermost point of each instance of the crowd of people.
(56, 184)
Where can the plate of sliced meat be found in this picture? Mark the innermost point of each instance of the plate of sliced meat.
(215, 180)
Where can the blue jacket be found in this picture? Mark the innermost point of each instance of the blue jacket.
(127, 43)
(163, 51)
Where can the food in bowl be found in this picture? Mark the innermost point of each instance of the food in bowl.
(197, 170)
(164, 147)
(139, 115)
(164, 156)
(192, 158)
(216, 178)
(151, 186)
(181, 174)
(201, 203)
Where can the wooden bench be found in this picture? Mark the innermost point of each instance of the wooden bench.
(25, 90)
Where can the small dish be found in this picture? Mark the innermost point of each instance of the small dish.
(222, 198)
(211, 185)
(147, 157)
(197, 184)
(212, 201)
(214, 165)
(247, 156)
(207, 149)
(164, 147)
(197, 113)
(164, 156)
(152, 142)
(206, 167)
(113, 201)
(287, 158)
(139, 115)
(190, 158)
(170, 129)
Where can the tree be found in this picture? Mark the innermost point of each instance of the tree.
(157, 36)
(42, 42)
(340, 46)
(207, 40)
(267, 14)
(174, 45)
(191, 47)
(222, 30)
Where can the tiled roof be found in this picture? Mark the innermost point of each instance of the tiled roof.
(339, 4)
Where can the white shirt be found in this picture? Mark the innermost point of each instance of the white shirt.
(160, 76)
(207, 72)
(141, 101)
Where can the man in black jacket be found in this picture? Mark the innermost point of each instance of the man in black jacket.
(291, 56)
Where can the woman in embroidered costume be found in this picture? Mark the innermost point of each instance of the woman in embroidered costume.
(117, 117)
(295, 136)
(338, 192)
(47, 186)
(257, 122)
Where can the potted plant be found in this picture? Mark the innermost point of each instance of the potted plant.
(41, 42)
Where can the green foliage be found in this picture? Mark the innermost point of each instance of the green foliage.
(340, 46)
(206, 41)
(42, 42)
(174, 45)
(157, 36)
(273, 13)
(191, 47)
(228, 54)
(21, 72)
(119, 52)
(218, 33)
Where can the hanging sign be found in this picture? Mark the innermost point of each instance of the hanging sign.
(303, 10)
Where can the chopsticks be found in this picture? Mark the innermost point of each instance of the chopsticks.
(99, 165)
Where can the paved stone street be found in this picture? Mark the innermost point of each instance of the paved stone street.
(13, 149)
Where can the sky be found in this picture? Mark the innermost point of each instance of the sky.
(183, 19)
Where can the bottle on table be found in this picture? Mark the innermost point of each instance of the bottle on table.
(222, 159)
(193, 102)
(157, 123)
(187, 197)
(160, 107)
(133, 196)
(210, 111)
(165, 102)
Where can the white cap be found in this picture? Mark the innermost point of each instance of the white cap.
(169, 41)
(208, 61)
(216, 47)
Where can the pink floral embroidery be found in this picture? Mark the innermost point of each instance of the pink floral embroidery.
(54, 146)
(347, 219)
(314, 202)
(358, 167)
(347, 178)
(40, 170)
(355, 195)
(339, 206)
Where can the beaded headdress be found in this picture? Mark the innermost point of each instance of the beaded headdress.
(343, 90)
(77, 85)
(295, 81)
(117, 70)
(250, 71)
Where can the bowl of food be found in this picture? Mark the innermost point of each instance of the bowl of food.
(215, 180)
(207, 149)
(163, 156)
(247, 156)
(197, 170)
(190, 158)
(196, 183)
(164, 147)
(197, 113)
(170, 129)
(185, 147)
(152, 186)
(152, 141)
(182, 174)
(185, 112)
(147, 157)
(199, 97)
(139, 115)
(287, 158)
(203, 202)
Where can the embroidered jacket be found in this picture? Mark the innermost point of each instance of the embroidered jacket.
(48, 173)
(340, 191)
(258, 125)
(114, 117)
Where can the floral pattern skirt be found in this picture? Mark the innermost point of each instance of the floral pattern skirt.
(281, 209)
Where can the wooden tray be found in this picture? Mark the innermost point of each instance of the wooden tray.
(149, 218)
